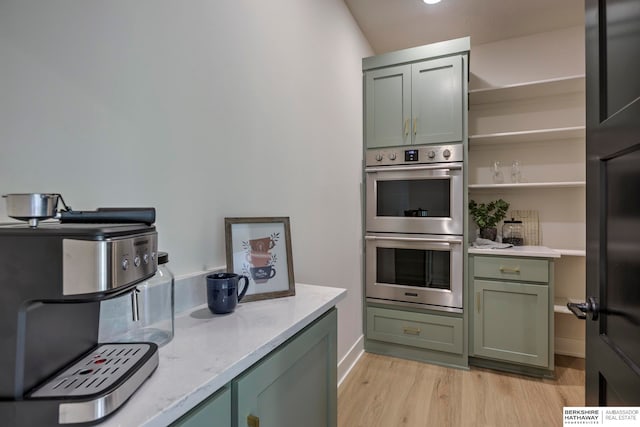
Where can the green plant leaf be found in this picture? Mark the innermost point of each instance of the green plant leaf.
(490, 214)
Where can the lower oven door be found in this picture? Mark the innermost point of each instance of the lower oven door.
(418, 269)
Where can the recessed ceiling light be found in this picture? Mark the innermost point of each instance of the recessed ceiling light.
(431, 1)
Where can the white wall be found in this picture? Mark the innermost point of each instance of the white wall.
(203, 109)
(539, 56)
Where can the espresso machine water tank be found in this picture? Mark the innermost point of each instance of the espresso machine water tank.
(53, 278)
(144, 314)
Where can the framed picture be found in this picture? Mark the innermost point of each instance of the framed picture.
(260, 248)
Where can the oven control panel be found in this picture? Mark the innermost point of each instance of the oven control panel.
(414, 155)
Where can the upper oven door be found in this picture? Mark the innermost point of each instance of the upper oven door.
(424, 199)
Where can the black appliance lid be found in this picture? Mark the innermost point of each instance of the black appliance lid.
(77, 230)
(512, 221)
(163, 258)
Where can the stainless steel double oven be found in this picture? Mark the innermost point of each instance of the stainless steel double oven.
(414, 226)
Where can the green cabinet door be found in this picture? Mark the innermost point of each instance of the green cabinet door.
(294, 386)
(388, 107)
(437, 100)
(213, 412)
(419, 103)
(511, 322)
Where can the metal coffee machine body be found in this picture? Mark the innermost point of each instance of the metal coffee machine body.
(52, 279)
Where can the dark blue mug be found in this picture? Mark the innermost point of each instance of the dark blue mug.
(222, 291)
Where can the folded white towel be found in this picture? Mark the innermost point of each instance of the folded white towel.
(489, 244)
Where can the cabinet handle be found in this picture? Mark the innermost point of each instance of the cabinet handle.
(478, 301)
(253, 421)
(415, 125)
(514, 270)
(406, 127)
(411, 331)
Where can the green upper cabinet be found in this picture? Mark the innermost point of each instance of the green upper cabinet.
(418, 103)
(388, 106)
(436, 101)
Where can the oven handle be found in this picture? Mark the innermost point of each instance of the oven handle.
(445, 168)
(413, 239)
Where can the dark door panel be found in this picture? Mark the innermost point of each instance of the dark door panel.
(621, 319)
(613, 202)
(619, 32)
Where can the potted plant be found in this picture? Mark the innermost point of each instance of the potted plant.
(487, 216)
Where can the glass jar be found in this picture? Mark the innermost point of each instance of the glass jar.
(144, 314)
(512, 232)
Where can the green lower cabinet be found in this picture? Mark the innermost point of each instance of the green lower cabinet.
(416, 334)
(511, 322)
(511, 299)
(415, 329)
(213, 412)
(295, 385)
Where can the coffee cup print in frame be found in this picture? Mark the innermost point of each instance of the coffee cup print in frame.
(262, 262)
(260, 248)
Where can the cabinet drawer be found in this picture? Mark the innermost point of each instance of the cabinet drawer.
(511, 268)
(441, 333)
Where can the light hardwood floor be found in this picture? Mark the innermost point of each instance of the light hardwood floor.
(383, 391)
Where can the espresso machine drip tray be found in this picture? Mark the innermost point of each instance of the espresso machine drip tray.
(99, 382)
(96, 372)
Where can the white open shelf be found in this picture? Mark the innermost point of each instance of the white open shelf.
(527, 90)
(528, 136)
(572, 252)
(560, 304)
(524, 185)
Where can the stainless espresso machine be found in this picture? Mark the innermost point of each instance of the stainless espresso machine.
(53, 276)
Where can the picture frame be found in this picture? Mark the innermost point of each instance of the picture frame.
(260, 248)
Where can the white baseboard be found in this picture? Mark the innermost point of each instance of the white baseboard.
(569, 347)
(350, 359)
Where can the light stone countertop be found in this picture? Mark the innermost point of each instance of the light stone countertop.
(523, 251)
(209, 350)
